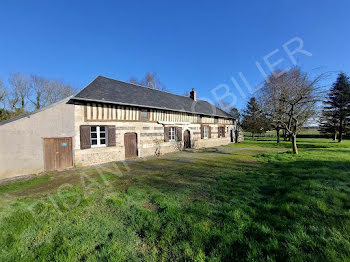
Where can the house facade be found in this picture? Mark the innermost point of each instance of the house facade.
(110, 120)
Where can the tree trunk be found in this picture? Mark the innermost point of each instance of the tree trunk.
(22, 103)
(278, 135)
(294, 144)
(284, 135)
(252, 136)
(340, 137)
(335, 136)
(38, 101)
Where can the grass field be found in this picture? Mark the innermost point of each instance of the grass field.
(251, 201)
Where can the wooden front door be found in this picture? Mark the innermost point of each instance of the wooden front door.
(187, 139)
(130, 143)
(58, 153)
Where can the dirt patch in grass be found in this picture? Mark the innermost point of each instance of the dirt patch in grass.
(150, 206)
(127, 169)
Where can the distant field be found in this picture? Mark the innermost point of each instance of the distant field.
(252, 201)
(309, 131)
(305, 131)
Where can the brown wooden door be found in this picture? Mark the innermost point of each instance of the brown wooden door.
(58, 153)
(130, 143)
(187, 139)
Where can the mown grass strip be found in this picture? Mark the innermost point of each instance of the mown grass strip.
(20, 185)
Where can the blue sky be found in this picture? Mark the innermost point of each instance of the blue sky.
(189, 44)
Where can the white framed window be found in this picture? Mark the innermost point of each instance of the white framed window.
(98, 136)
(205, 131)
(199, 119)
(172, 134)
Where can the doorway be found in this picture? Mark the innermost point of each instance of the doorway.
(58, 153)
(130, 143)
(187, 139)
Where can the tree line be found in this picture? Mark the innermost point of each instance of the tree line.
(289, 99)
(25, 93)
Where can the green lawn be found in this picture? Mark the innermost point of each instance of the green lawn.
(251, 201)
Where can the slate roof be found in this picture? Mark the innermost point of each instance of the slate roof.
(108, 90)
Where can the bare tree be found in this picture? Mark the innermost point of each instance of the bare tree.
(56, 90)
(224, 105)
(20, 90)
(150, 80)
(291, 100)
(38, 89)
(3, 95)
(271, 103)
(134, 80)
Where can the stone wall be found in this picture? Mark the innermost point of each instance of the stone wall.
(150, 139)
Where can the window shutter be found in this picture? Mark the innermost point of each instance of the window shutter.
(202, 132)
(209, 131)
(85, 137)
(223, 131)
(111, 136)
(166, 134)
(179, 133)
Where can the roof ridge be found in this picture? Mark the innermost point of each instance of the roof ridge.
(148, 87)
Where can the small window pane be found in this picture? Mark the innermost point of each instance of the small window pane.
(205, 131)
(102, 128)
(93, 135)
(144, 114)
(93, 129)
(172, 134)
(94, 142)
(103, 141)
(103, 135)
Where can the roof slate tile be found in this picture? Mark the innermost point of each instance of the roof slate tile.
(108, 90)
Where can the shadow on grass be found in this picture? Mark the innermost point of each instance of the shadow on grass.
(301, 205)
(214, 206)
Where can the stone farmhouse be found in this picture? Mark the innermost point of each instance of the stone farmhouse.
(110, 120)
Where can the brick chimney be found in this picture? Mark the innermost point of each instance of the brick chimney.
(193, 94)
